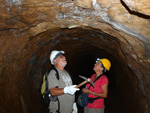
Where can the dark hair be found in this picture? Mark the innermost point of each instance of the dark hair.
(104, 69)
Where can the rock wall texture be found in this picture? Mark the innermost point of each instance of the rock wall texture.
(31, 29)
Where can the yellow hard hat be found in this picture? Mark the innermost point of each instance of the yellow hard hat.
(106, 63)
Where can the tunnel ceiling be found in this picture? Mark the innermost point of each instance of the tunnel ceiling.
(31, 29)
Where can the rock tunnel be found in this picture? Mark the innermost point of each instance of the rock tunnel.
(85, 29)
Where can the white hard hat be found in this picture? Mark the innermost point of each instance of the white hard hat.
(54, 54)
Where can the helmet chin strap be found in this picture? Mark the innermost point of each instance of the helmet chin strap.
(104, 69)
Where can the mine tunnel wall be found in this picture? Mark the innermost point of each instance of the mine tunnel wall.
(23, 74)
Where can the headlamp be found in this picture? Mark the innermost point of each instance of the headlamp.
(98, 60)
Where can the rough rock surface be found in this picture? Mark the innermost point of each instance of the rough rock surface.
(140, 6)
(31, 29)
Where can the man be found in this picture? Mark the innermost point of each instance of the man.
(63, 87)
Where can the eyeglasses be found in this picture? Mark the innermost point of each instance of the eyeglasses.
(59, 54)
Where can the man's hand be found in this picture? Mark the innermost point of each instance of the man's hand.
(70, 89)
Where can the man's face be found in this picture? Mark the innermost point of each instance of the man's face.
(61, 60)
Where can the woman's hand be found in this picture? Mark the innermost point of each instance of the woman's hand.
(84, 90)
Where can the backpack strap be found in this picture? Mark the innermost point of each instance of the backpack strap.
(57, 74)
(46, 77)
(95, 80)
(91, 85)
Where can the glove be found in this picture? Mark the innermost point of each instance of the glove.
(70, 89)
(75, 109)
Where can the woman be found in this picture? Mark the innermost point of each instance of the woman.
(101, 87)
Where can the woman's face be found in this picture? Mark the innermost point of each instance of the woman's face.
(98, 67)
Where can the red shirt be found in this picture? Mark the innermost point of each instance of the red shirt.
(99, 103)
